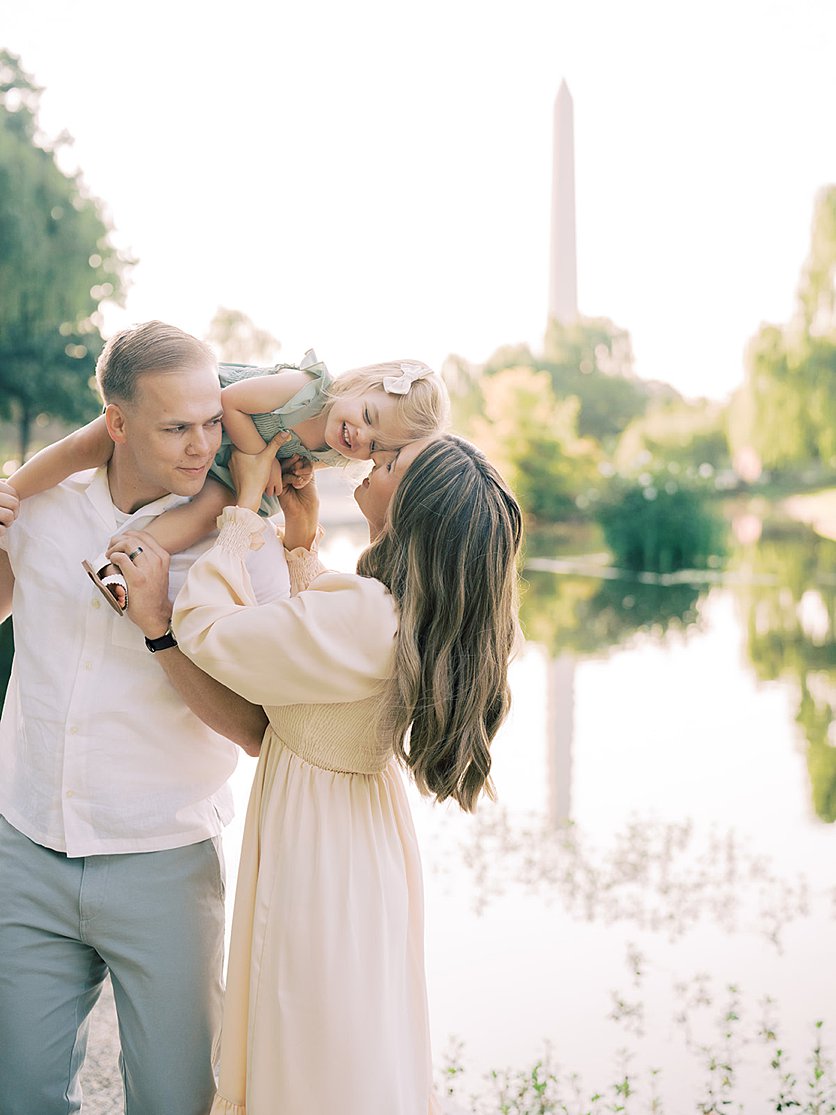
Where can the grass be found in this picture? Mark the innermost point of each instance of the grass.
(738, 1043)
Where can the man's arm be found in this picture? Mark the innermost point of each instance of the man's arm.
(150, 609)
(7, 584)
(9, 505)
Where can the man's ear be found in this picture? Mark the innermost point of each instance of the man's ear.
(115, 418)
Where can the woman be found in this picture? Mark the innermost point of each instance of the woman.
(326, 1000)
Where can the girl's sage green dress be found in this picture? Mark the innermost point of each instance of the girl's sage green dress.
(326, 1008)
(308, 402)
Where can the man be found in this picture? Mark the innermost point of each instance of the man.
(112, 780)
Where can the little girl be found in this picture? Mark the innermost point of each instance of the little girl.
(330, 422)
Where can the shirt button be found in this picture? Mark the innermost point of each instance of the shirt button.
(69, 794)
(74, 730)
(96, 602)
(88, 665)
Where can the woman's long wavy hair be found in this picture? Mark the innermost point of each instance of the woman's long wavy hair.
(448, 554)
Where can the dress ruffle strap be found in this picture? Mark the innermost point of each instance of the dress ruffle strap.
(223, 1106)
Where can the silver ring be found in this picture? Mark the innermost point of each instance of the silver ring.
(133, 553)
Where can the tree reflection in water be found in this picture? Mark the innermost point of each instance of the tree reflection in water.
(658, 876)
(785, 584)
(669, 877)
(788, 607)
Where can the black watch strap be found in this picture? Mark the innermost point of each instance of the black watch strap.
(164, 642)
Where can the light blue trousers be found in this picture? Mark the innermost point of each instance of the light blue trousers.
(155, 921)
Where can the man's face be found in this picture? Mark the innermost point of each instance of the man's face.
(171, 430)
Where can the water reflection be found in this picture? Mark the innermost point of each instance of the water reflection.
(574, 616)
(659, 876)
(785, 584)
(791, 636)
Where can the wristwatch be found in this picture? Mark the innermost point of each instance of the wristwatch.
(165, 641)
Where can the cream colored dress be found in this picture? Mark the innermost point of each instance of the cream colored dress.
(326, 1010)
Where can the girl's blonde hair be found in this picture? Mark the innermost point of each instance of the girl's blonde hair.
(448, 554)
(423, 410)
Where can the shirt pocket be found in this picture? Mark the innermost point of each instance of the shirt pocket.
(126, 635)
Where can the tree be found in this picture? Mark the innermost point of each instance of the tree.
(590, 360)
(532, 438)
(56, 266)
(682, 434)
(786, 411)
(237, 339)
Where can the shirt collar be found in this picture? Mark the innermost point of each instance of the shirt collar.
(98, 492)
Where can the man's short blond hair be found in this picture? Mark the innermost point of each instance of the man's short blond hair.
(150, 347)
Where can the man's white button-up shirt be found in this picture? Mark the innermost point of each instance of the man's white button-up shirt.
(98, 753)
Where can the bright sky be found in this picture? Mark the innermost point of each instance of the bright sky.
(372, 178)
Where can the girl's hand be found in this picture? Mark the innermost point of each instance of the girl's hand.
(9, 504)
(251, 472)
(296, 471)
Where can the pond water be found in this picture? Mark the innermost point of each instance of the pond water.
(653, 893)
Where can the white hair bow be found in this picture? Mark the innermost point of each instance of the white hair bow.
(411, 371)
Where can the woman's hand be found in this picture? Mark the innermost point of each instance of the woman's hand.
(253, 472)
(301, 513)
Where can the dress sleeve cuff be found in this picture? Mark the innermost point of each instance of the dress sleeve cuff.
(241, 530)
(303, 565)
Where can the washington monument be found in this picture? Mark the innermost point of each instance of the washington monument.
(563, 275)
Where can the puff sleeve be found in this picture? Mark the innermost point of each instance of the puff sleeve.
(333, 642)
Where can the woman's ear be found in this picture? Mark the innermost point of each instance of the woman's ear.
(115, 418)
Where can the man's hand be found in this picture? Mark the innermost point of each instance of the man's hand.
(301, 514)
(150, 609)
(146, 574)
(9, 505)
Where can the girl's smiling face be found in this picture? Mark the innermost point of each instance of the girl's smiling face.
(360, 425)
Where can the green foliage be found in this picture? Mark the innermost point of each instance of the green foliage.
(689, 435)
(592, 359)
(786, 411)
(56, 266)
(817, 287)
(532, 438)
(660, 526)
(738, 1046)
(562, 414)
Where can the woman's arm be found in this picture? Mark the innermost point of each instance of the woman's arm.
(89, 447)
(256, 395)
(332, 643)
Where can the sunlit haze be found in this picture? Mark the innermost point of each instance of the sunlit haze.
(373, 179)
